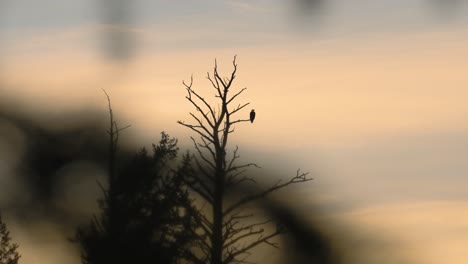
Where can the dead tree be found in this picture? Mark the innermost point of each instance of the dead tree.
(229, 234)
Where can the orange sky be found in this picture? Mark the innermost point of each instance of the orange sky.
(382, 116)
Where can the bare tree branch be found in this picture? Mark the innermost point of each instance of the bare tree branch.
(228, 241)
(200, 188)
(203, 170)
(195, 128)
(251, 232)
(235, 95)
(300, 177)
(238, 108)
(200, 125)
(234, 168)
(206, 145)
(200, 153)
(251, 245)
(190, 91)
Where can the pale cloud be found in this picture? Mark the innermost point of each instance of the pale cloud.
(432, 232)
(244, 6)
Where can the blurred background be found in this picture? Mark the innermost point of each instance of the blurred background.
(369, 96)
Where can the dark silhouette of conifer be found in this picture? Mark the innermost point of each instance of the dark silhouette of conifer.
(146, 213)
(8, 250)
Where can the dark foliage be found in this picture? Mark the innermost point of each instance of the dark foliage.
(8, 250)
(49, 146)
(148, 216)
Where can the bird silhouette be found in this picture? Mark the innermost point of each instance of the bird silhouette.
(252, 116)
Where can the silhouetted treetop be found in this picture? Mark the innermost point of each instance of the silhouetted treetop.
(8, 250)
(146, 214)
(229, 232)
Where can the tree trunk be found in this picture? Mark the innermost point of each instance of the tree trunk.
(217, 235)
(217, 232)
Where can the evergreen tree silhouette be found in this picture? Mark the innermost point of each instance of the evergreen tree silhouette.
(152, 219)
(8, 251)
(146, 213)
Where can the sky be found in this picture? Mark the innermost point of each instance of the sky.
(370, 96)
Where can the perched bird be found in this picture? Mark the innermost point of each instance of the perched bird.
(252, 116)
